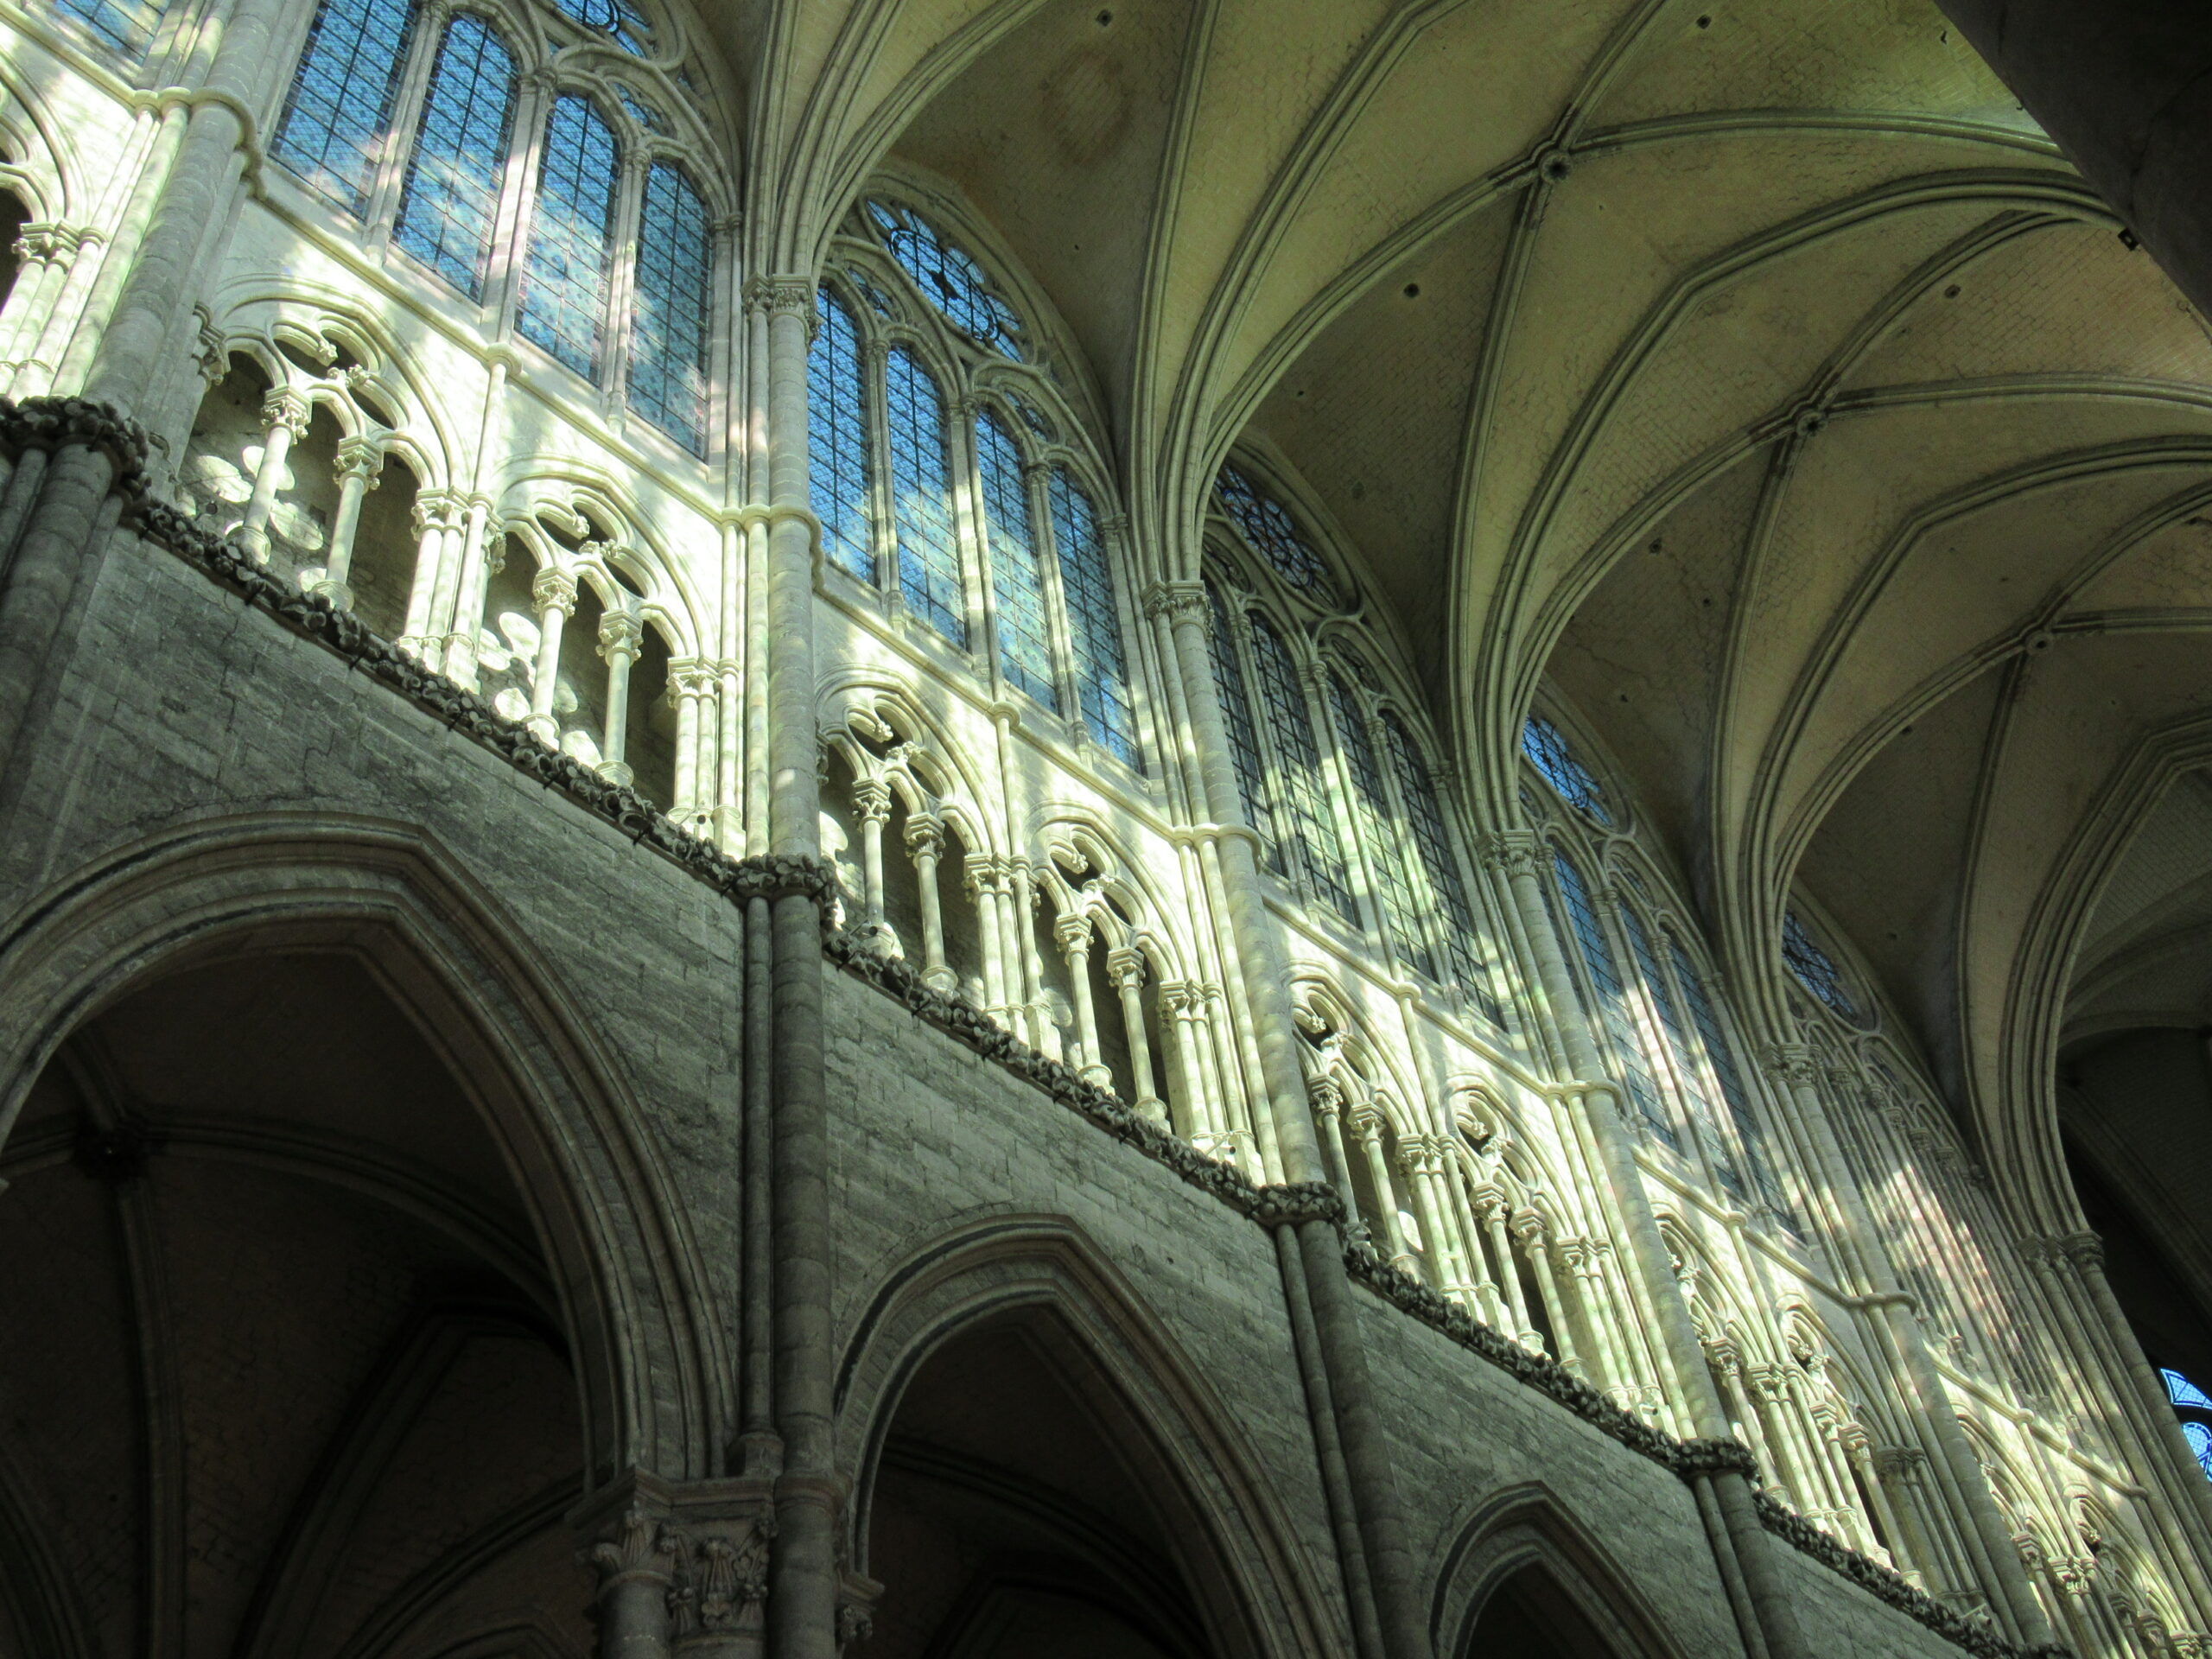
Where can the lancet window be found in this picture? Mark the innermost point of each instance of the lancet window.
(1652, 1005)
(924, 394)
(600, 254)
(1815, 969)
(1328, 766)
(2194, 1407)
(128, 26)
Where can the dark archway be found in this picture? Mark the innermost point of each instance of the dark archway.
(1531, 1616)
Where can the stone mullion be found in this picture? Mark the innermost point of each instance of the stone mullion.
(876, 359)
(621, 285)
(1343, 798)
(1019, 907)
(1327, 1095)
(1858, 1449)
(1432, 921)
(978, 599)
(925, 846)
(691, 693)
(1453, 1200)
(1446, 1270)
(517, 213)
(285, 415)
(1618, 1381)
(979, 880)
(1059, 627)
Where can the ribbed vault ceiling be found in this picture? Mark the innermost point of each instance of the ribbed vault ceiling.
(1753, 368)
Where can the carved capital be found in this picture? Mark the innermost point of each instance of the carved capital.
(1178, 601)
(289, 409)
(1073, 932)
(1792, 1064)
(872, 800)
(554, 589)
(361, 458)
(719, 1585)
(1530, 1227)
(1327, 1096)
(438, 510)
(925, 838)
(689, 677)
(1509, 853)
(639, 1546)
(782, 297)
(1125, 967)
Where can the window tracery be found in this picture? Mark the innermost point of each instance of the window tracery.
(1549, 751)
(910, 411)
(2194, 1407)
(948, 277)
(1266, 525)
(455, 186)
(1815, 969)
(129, 26)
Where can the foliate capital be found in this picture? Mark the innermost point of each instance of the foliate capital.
(361, 458)
(782, 297)
(554, 589)
(289, 409)
(1125, 968)
(1073, 932)
(924, 838)
(689, 677)
(438, 510)
(872, 800)
(1792, 1064)
(639, 1546)
(1509, 853)
(620, 635)
(1178, 601)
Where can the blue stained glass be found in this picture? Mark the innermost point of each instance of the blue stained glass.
(1243, 741)
(1815, 969)
(452, 195)
(1678, 1044)
(1612, 1002)
(1102, 667)
(670, 312)
(1424, 815)
(1298, 767)
(921, 489)
(1749, 1133)
(1546, 748)
(619, 20)
(1017, 584)
(126, 25)
(339, 108)
(564, 305)
(2200, 1442)
(1268, 527)
(1371, 809)
(839, 471)
(646, 116)
(949, 279)
(2182, 1392)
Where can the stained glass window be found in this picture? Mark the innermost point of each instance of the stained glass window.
(1017, 583)
(1815, 969)
(126, 25)
(1543, 744)
(339, 108)
(619, 20)
(1612, 1002)
(2195, 1408)
(452, 194)
(1243, 741)
(1102, 667)
(838, 470)
(564, 307)
(948, 278)
(1299, 762)
(1685, 1057)
(1371, 807)
(1425, 816)
(921, 488)
(1268, 527)
(1749, 1133)
(644, 115)
(671, 311)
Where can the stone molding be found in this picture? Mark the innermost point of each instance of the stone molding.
(640, 1544)
(63, 423)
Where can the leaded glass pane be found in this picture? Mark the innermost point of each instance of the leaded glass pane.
(949, 279)
(1243, 739)
(1298, 767)
(839, 471)
(1678, 1044)
(1017, 584)
(564, 306)
(670, 314)
(2182, 1392)
(2200, 1442)
(452, 195)
(1545, 745)
(1102, 667)
(1612, 1002)
(1371, 806)
(1425, 816)
(1273, 535)
(339, 108)
(619, 20)
(1815, 969)
(126, 25)
(1749, 1133)
(921, 489)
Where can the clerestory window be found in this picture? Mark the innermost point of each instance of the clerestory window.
(128, 26)
(446, 163)
(1609, 997)
(888, 462)
(1549, 752)
(2194, 1407)
(1814, 968)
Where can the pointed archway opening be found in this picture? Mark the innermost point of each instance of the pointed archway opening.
(282, 1352)
(1532, 1616)
(1019, 1508)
